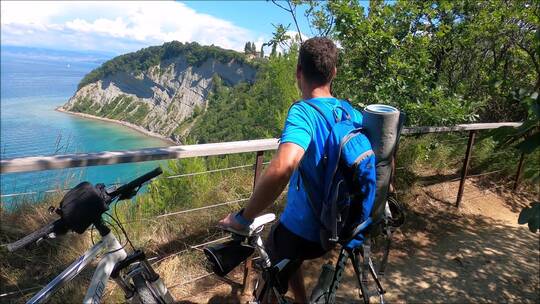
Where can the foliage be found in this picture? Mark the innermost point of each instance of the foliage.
(442, 62)
(250, 111)
(83, 105)
(525, 138)
(143, 59)
(122, 107)
(250, 48)
(172, 193)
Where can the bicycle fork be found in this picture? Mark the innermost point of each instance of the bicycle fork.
(362, 275)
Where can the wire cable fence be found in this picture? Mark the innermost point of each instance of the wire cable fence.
(119, 184)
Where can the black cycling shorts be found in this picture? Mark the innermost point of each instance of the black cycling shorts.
(284, 244)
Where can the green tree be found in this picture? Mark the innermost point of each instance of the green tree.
(251, 111)
(442, 62)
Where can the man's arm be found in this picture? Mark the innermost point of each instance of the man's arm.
(271, 183)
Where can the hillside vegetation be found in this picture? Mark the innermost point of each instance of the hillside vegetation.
(146, 58)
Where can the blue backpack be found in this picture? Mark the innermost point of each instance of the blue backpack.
(349, 178)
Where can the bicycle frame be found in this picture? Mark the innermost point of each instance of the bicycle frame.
(344, 256)
(101, 275)
(269, 281)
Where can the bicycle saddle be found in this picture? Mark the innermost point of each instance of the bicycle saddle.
(255, 227)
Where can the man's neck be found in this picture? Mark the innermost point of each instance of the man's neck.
(323, 91)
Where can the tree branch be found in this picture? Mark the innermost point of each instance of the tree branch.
(293, 13)
(279, 5)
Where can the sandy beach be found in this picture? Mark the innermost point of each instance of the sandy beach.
(123, 123)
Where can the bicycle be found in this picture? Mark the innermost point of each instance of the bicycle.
(245, 243)
(132, 273)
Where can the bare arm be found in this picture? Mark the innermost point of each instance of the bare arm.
(271, 183)
(274, 179)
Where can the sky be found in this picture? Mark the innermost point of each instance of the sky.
(120, 27)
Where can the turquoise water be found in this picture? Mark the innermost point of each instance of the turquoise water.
(32, 86)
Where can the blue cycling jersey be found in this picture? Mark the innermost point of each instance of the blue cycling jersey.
(305, 127)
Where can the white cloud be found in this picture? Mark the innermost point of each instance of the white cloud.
(113, 26)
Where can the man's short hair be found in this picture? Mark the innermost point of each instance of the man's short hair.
(318, 58)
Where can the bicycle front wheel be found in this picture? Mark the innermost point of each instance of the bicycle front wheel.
(143, 291)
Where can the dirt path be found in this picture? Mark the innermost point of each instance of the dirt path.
(476, 254)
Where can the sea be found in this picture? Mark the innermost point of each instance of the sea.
(34, 82)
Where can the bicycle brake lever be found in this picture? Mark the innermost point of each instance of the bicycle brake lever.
(51, 235)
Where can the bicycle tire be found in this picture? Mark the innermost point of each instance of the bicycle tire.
(143, 291)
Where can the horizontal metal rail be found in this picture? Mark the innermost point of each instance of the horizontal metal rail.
(459, 128)
(40, 163)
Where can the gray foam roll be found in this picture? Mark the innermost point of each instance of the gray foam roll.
(382, 125)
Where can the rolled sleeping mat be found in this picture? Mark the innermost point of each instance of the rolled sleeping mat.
(382, 125)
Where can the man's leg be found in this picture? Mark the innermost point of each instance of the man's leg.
(296, 283)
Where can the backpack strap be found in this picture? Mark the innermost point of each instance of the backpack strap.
(307, 187)
(347, 109)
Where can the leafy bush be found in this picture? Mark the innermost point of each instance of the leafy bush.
(442, 62)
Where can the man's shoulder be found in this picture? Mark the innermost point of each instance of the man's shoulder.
(306, 110)
(301, 106)
(302, 110)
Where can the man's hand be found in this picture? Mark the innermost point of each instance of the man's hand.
(230, 222)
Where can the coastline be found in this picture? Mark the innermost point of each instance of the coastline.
(123, 123)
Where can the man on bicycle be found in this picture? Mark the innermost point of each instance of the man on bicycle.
(296, 235)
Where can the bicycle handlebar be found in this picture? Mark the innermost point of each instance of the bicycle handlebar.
(124, 191)
(127, 189)
(34, 236)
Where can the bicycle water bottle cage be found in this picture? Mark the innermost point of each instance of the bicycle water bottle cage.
(83, 205)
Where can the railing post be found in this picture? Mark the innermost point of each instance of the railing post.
(465, 167)
(518, 173)
(248, 265)
(394, 165)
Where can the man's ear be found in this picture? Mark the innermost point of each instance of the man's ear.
(298, 71)
(334, 73)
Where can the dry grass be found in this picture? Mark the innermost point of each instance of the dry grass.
(168, 241)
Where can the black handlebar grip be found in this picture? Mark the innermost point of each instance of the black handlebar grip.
(137, 182)
(32, 237)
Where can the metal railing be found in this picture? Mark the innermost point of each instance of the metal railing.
(39, 163)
